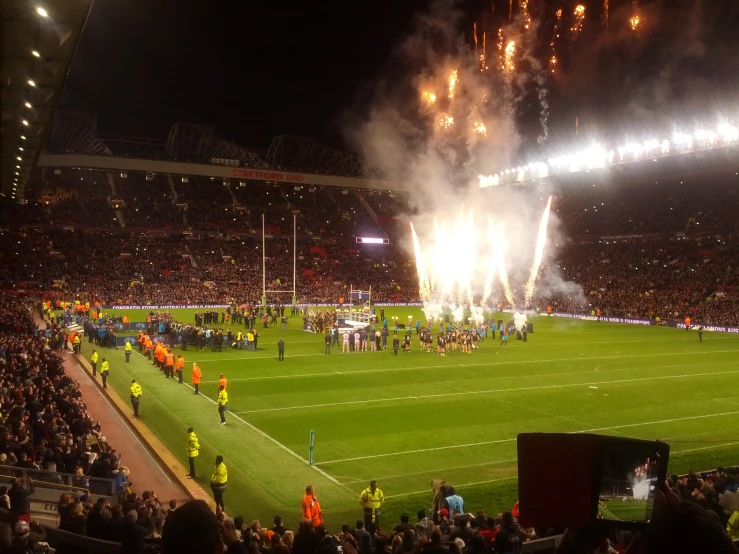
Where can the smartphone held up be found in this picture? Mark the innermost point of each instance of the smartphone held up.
(573, 480)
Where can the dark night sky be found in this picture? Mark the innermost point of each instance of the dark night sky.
(258, 69)
(252, 69)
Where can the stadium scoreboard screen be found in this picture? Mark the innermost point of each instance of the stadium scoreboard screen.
(371, 240)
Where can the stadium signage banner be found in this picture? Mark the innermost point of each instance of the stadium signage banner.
(209, 306)
(266, 175)
(718, 328)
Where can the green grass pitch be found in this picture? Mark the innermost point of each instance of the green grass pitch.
(409, 419)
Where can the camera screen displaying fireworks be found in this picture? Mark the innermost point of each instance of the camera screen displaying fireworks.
(628, 479)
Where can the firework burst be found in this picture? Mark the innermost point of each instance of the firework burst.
(453, 80)
(579, 19)
(541, 243)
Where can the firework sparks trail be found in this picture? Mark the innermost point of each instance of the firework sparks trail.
(453, 79)
(606, 14)
(484, 55)
(429, 97)
(510, 11)
(579, 14)
(555, 37)
(474, 33)
(634, 21)
(538, 254)
(423, 281)
(508, 60)
(480, 128)
(524, 6)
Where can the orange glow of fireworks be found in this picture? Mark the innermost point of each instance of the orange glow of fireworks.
(635, 21)
(480, 128)
(552, 63)
(453, 79)
(483, 55)
(429, 97)
(606, 14)
(445, 121)
(524, 6)
(474, 33)
(510, 51)
(579, 14)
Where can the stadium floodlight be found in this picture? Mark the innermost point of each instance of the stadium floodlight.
(19, 159)
(32, 82)
(35, 53)
(23, 137)
(20, 148)
(28, 105)
(25, 122)
(18, 167)
(42, 12)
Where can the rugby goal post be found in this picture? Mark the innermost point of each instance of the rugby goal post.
(264, 265)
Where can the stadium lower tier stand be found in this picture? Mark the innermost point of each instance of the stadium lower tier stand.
(693, 276)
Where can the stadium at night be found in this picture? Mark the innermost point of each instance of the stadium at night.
(457, 277)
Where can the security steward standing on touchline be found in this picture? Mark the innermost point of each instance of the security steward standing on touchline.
(222, 404)
(192, 446)
(371, 500)
(104, 370)
(218, 481)
(135, 397)
(127, 352)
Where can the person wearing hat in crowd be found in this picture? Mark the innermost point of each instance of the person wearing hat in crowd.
(136, 393)
(371, 500)
(192, 447)
(28, 537)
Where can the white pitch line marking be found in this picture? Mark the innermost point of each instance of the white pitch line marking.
(480, 392)
(452, 366)
(483, 443)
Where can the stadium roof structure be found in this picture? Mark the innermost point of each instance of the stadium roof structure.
(39, 40)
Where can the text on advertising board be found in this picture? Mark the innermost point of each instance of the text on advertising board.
(268, 175)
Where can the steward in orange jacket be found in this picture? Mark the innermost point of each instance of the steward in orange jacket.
(168, 364)
(179, 367)
(196, 376)
(311, 507)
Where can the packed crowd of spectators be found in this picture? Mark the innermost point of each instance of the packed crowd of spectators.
(695, 514)
(666, 280)
(695, 205)
(45, 424)
(210, 206)
(148, 204)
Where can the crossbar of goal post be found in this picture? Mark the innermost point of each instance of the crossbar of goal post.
(279, 291)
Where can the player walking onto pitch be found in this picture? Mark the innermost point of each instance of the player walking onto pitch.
(504, 336)
(700, 333)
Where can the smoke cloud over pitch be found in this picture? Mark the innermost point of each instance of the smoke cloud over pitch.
(423, 125)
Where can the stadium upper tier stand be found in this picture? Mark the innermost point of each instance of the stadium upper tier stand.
(658, 249)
